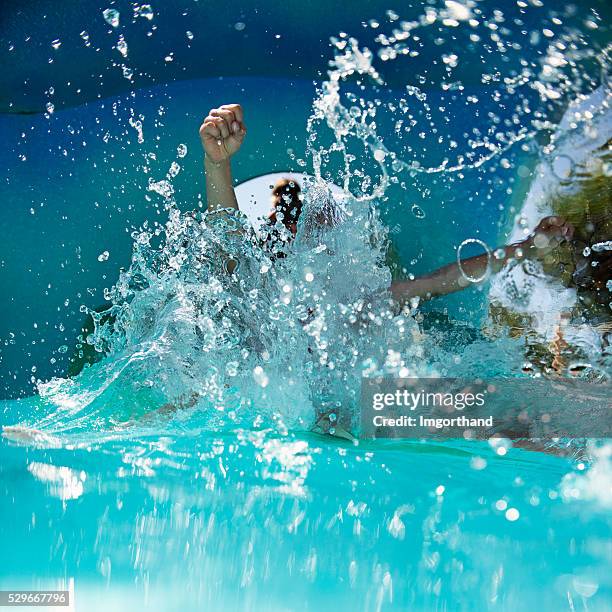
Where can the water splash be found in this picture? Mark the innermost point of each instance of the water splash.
(190, 415)
(558, 76)
(111, 16)
(290, 334)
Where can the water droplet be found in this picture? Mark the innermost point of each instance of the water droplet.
(261, 378)
(128, 73)
(512, 514)
(103, 256)
(122, 46)
(164, 188)
(239, 25)
(562, 166)
(485, 246)
(181, 150)
(450, 60)
(392, 15)
(145, 11)
(50, 108)
(111, 16)
(379, 155)
(189, 35)
(478, 463)
(397, 165)
(137, 125)
(417, 211)
(56, 44)
(174, 169)
(231, 368)
(501, 504)
(600, 247)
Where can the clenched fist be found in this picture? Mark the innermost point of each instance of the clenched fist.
(223, 132)
(549, 233)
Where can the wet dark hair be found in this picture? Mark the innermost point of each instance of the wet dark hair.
(286, 196)
(287, 201)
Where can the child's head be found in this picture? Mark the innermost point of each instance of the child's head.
(286, 203)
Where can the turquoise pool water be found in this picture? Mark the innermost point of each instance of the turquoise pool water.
(179, 472)
(182, 518)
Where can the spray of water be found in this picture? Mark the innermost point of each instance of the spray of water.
(286, 339)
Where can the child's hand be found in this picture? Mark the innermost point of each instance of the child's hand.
(549, 233)
(223, 132)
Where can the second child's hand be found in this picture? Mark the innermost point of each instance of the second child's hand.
(549, 234)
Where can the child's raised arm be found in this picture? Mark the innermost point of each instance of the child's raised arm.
(222, 133)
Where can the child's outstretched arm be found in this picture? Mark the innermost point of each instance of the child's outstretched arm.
(548, 234)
